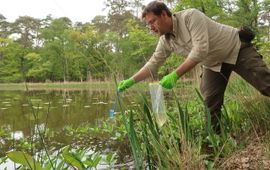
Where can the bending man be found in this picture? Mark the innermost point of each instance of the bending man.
(219, 48)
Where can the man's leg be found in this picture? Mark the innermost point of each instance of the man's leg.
(213, 85)
(253, 69)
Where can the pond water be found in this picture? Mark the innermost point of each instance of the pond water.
(63, 108)
(23, 111)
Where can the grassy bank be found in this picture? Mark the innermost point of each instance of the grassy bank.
(106, 85)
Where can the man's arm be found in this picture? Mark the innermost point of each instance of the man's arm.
(142, 74)
(186, 66)
(170, 80)
(159, 56)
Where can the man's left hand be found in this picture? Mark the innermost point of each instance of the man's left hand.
(169, 81)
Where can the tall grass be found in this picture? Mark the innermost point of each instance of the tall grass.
(249, 109)
(178, 145)
(173, 146)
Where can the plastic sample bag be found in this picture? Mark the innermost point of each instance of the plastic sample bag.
(158, 104)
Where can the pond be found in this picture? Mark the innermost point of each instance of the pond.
(23, 111)
(63, 108)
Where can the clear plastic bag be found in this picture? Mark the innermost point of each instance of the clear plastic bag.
(158, 104)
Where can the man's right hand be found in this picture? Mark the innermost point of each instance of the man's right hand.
(169, 81)
(123, 85)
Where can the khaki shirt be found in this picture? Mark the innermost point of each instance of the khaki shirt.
(199, 38)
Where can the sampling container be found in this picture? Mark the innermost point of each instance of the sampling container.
(158, 103)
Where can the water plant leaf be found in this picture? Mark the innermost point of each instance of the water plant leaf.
(24, 159)
(148, 118)
(110, 157)
(134, 142)
(93, 160)
(60, 165)
(183, 117)
(136, 149)
(73, 160)
(148, 147)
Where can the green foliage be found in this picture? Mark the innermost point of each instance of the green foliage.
(24, 159)
(110, 159)
(27, 29)
(10, 63)
(210, 7)
(136, 48)
(171, 64)
(72, 159)
(247, 13)
(265, 51)
(38, 50)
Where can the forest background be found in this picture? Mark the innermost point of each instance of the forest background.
(58, 50)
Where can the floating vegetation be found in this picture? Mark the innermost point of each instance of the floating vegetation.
(68, 100)
(36, 100)
(100, 103)
(37, 107)
(5, 102)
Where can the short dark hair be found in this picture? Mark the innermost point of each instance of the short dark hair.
(156, 7)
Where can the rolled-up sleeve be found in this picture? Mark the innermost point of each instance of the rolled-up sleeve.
(158, 57)
(196, 23)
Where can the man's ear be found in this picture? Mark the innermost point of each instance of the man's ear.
(164, 13)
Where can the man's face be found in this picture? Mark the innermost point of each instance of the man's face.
(160, 25)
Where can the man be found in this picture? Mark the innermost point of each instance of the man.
(216, 46)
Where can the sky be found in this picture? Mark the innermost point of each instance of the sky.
(76, 10)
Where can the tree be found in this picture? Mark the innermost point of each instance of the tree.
(55, 46)
(265, 18)
(4, 27)
(100, 23)
(10, 66)
(136, 48)
(247, 13)
(119, 14)
(211, 8)
(26, 30)
(37, 68)
(95, 49)
(136, 6)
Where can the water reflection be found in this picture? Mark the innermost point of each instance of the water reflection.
(31, 113)
(21, 110)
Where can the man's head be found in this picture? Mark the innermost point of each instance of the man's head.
(158, 17)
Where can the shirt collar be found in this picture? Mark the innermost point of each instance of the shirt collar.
(173, 32)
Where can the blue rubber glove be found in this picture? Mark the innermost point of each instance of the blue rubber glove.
(169, 81)
(123, 85)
